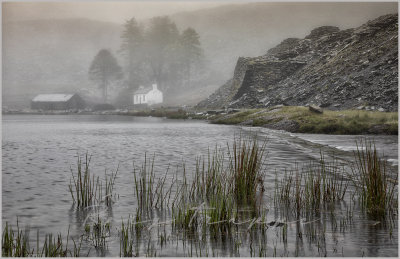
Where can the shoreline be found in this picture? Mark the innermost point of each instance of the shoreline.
(293, 119)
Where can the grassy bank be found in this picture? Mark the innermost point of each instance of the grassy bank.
(296, 119)
(302, 120)
(170, 114)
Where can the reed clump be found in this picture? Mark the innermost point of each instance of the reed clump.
(83, 187)
(99, 232)
(108, 188)
(373, 184)
(53, 247)
(87, 190)
(126, 240)
(17, 244)
(246, 169)
(151, 193)
(311, 187)
(218, 188)
(130, 234)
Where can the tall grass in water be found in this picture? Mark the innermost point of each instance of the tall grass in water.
(210, 177)
(370, 176)
(129, 237)
(99, 232)
(144, 186)
(246, 169)
(53, 247)
(15, 245)
(18, 245)
(84, 187)
(108, 188)
(311, 187)
(217, 191)
(86, 190)
(150, 192)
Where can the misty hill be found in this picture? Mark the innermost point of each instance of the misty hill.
(51, 55)
(230, 31)
(330, 67)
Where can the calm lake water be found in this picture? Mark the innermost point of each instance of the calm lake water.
(38, 153)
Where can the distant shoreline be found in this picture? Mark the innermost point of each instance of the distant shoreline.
(294, 119)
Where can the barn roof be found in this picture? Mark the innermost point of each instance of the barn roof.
(143, 90)
(52, 97)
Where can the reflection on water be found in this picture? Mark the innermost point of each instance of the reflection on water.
(38, 153)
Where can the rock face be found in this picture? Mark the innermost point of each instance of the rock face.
(330, 68)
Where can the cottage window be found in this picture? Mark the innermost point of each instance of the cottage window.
(144, 98)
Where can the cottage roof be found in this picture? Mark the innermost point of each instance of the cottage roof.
(143, 90)
(52, 97)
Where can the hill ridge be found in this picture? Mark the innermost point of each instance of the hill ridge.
(332, 68)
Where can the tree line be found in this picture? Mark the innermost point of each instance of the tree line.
(156, 53)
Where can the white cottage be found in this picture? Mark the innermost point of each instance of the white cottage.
(148, 95)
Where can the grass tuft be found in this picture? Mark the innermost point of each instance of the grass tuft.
(246, 165)
(86, 190)
(83, 187)
(376, 189)
(15, 244)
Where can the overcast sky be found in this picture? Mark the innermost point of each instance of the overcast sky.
(106, 11)
(112, 11)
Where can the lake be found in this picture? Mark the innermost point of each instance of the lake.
(39, 152)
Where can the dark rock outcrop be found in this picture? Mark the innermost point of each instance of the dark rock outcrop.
(329, 68)
(315, 109)
(285, 124)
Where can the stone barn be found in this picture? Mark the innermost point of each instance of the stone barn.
(57, 102)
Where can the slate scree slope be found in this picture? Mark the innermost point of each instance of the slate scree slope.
(332, 68)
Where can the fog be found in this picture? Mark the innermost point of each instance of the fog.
(117, 12)
(50, 47)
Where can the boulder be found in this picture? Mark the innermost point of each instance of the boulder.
(285, 124)
(315, 109)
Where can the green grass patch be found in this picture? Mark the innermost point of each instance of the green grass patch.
(170, 114)
(232, 119)
(346, 122)
(341, 122)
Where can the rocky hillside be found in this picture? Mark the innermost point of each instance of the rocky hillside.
(332, 68)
